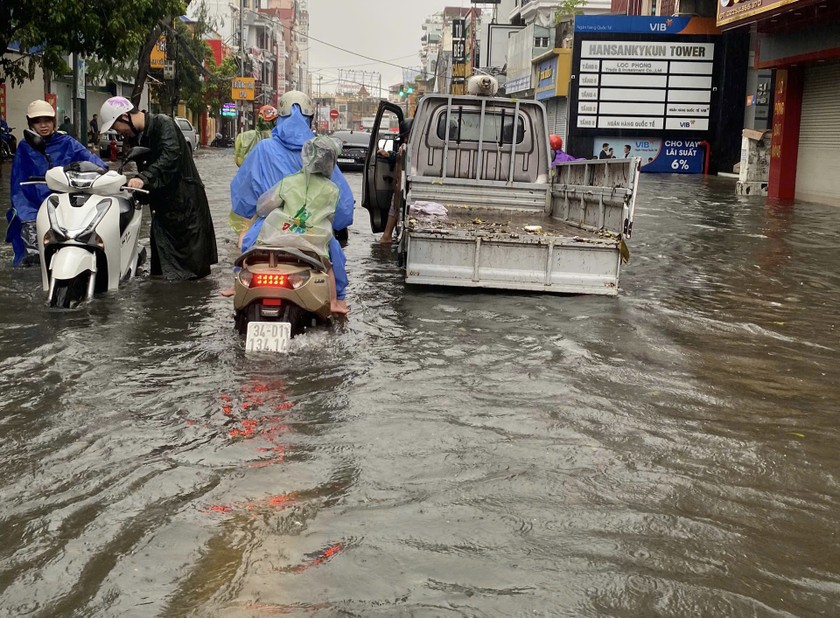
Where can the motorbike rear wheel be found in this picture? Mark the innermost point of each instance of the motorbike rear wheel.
(70, 293)
(290, 313)
(5, 152)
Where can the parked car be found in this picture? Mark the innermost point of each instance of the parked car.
(354, 149)
(189, 132)
(105, 144)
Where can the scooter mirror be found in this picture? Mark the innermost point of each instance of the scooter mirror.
(36, 141)
(138, 153)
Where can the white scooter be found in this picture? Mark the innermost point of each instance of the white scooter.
(88, 229)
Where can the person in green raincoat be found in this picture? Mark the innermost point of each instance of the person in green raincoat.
(298, 211)
(246, 140)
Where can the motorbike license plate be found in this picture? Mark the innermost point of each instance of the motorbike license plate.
(346, 161)
(268, 337)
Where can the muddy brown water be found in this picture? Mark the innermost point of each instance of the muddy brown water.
(670, 452)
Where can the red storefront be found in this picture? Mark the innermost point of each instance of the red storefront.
(800, 41)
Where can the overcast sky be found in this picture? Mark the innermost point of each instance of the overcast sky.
(387, 30)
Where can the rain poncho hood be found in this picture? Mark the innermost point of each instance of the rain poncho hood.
(62, 150)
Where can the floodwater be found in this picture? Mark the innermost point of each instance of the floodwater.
(669, 452)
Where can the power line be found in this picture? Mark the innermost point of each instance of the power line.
(376, 60)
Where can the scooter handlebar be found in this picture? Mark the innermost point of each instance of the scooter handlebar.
(133, 189)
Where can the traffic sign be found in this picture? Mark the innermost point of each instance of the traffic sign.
(334, 114)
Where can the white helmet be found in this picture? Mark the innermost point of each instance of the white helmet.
(39, 109)
(112, 109)
(295, 97)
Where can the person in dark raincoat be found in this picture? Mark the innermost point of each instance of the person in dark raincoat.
(182, 238)
(26, 200)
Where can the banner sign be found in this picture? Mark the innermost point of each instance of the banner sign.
(731, 11)
(659, 156)
(605, 24)
(3, 100)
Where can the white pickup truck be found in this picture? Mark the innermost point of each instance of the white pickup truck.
(511, 222)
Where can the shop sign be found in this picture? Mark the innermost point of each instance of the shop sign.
(546, 79)
(730, 11)
(158, 55)
(242, 88)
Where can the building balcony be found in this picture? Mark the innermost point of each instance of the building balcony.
(528, 11)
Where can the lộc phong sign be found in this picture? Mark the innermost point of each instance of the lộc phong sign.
(645, 85)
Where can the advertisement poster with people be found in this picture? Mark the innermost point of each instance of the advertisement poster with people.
(671, 156)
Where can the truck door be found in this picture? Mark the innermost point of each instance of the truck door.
(378, 182)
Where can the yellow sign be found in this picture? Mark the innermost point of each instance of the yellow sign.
(158, 56)
(242, 89)
(730, 11)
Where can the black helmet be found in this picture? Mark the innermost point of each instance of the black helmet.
(405, 126)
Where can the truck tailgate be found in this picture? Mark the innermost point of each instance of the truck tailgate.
(498, 251)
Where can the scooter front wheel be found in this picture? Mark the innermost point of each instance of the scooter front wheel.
(70, 293)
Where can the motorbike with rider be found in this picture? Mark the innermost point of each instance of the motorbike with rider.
(279, 156)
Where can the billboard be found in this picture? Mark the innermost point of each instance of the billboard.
(672, 156)
(645, 85)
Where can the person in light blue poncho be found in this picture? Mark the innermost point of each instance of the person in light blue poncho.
(61, 150)
(273, 159)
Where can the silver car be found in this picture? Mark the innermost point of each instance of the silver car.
(189, 132)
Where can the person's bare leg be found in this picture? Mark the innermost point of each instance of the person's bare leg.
(337, 306)
(228, 292)
(388, 232)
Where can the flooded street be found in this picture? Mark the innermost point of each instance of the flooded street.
(669, 452)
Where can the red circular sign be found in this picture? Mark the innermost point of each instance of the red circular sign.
(334, 114)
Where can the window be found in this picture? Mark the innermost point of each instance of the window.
(464, 127)
(541, 41)
(185, 125)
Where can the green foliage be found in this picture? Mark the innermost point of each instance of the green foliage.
(217, 89)
(111, 30)
(567, 8)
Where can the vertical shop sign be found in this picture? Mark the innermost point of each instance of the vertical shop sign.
(459, 57)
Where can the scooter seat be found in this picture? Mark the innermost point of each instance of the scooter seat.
(126, 212)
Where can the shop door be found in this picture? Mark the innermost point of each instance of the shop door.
(819, 136)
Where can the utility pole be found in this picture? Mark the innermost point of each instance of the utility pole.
(318, 106)
(241, 104)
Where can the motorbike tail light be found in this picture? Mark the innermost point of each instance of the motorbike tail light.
(270, 280)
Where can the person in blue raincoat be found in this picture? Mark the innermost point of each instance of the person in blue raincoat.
(62, 150)
(273, 159)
